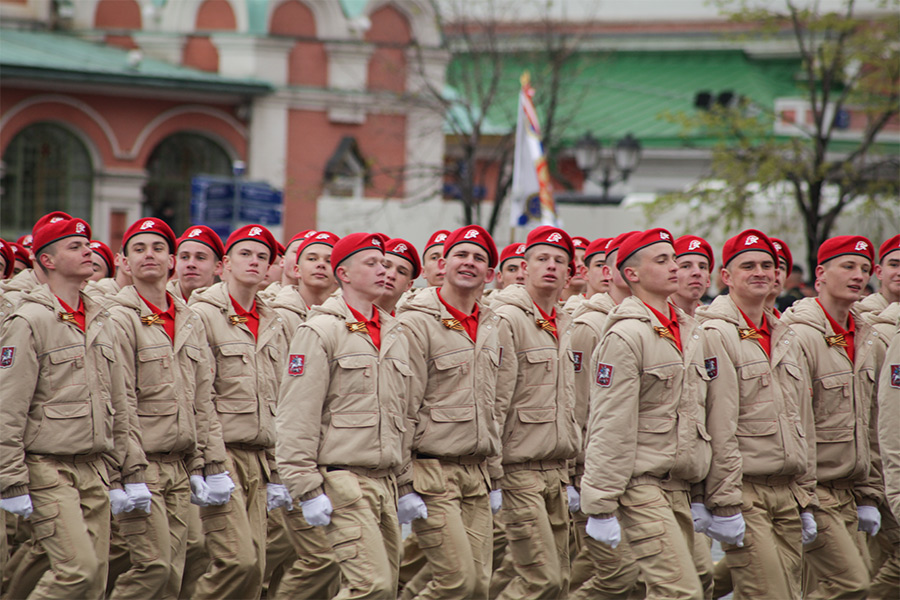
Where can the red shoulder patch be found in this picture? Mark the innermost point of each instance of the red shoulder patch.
(7, 356)
(296, 363)
(604, 375)
(578, 356)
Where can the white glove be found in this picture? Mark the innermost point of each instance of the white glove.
(411, 507)
(728, 530)
(702, 517)
(119, 501)
(496, 497)
(18, 505)
(199, 491)
(810, 529)
(277, 495)
(220, 488)
(140, 495)
(869, 519)
(604, 530)
(317, 511)
(574, 498)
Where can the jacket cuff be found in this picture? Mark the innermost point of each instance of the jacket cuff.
(603, 515)
(404, 490)
(196, 472)
(214, 468)
(137, 476)
(726, 511)
(313, 494)
(866, 502)
(14, 490)
(274, 478)
(495, 484)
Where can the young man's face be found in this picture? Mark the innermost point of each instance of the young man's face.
(614, 274)
(888, 273)
(147, 258)
(430, 268)
(314, 267)
(780, 278)
(466, 267)
(100, 269)
(655, 269)
(273, 273)
(247, 262)
(844, 277)
(197, 266)
(546, 268)
(18, 267)
(579, 279)
(750, 275)
(693, 276)
(511, 272)
(598, 276)
(397, 278)
(72, 257)
(289, 260)
(364, 273)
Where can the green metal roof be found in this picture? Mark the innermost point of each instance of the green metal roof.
(63, 57)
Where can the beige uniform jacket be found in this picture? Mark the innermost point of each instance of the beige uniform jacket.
(758, 408)
(572, 303)
(873, 303)
(271, 291)
(589, 319)
(291, 307)
(536, 384)
(61, 394)
(169, 385)
(842, 396)
(247, 371)
(648, 407)
(105, 287)
(889, 421)
(454, 382)
(12, 290)
(343, 402)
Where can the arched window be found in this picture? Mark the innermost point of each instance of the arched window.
(178, 158)
(45, 168)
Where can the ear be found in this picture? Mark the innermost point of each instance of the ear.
(218, 269)
(410, 284)
(630, 274)
(878, 271)
(524, 266)
(607, 272)
(172, 262)
(226, 264)
(47, 260)
(725, 274)
(341, 274)
(820, 271)
(123, 264)
(489, 276)
(441, 263)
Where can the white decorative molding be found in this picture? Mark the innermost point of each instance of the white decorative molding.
(348, 65)
(180, 110)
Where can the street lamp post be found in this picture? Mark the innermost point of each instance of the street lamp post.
(626, 156)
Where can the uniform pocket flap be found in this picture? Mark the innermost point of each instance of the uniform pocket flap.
(151, 354)
(354, 419)
(69, 410)
(195, 354)
(701, 429)
(753, 370)
(157, 409)
(835, 381)
(702, 372)
(665, 373)
(450, 361)
(648, 424)
(65, 355)
(756, 428)
(537, 415)
(540, 356)
(354, 362)
(644, 531)
(236, 406)
(452, 414)
(523, 515)
(346, 534)
(834, 434)
(402, 367)
(108, 353)
(231, 350)
(793, 370)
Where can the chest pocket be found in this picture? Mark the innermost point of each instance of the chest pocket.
(66, 368)
(355, 375)
(451, 373)
(756, 384)
(154, 367)
(658, 384)
(539, 367)
(232, 361)
(831, 396)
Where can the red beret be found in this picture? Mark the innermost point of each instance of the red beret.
(316, 237)
(512, 251)
(692, 244)
(550, 236)
(856, 245)
(254, 233)
(783, 253)
(301, 235)
(580, 243)
(56, 226)
(437, 238)
(151, 225)
(55, 216)
(598, 246)
(20, 252)
(279, 248)
(26, 240)
(202, 235)
(745, 241)
(889, 245)
(615, 243)
(349, 245)
(104, 252)
(473, 234)
(404, 249)
(639, 240)
(6, 252)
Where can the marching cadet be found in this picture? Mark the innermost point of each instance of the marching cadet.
(889, 421)
(103, 260)
(246, 339)
(288, 273)
(433, 252)
(112, 285)
(888, 273)
(198, 261)
(762, 473)
(162, 350)
(576, 284)
(454, 350)
(694, 257)
(342, 421)
(838, 350)
(536, 403)
(313, 571)
(596, 261)
(509, 269)
(647, 437)
(21, 258)
(783, 268)
(273, 274)
(403, 267)
(59, 384)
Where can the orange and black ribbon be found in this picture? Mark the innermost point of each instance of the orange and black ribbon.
(664, 332)
(357, 326)
(749, 334)
(836, 340)
(546, 325)
(453, 324)
(235, 319)
(67, 317)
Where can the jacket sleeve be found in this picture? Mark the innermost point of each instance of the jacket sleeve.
(124, 368)
(18, 382)
(210, 456)
(584, 341)
(889, 425)
(298, 421)
(418, 364)
(805, 485)
(612, 426)
(723, 482)
(507, 375)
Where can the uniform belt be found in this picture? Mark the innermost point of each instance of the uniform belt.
(245, 447)
(363, 472)
(666, 483)
(460, 460)
(769, 480)
(166, 457)
(75, 458)
(536, 465)
(838, 484)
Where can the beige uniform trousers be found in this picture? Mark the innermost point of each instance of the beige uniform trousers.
(768, 565)
(196, 560)
(279, 553)
(364, 532)
(156, 541)
(658, 526)
(313, 571)
(236, 531)
(412, 560)
(884, 550)
(535, 513)
(502, 563)
(456, 537)
(599, 571)
(71, 522)
(833, 566)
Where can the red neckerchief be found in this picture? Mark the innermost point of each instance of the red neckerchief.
(551, 317)
(469, 322)
(776, 312)
(373, 326)
(847, 333)
(251, 315)
(670, 323)
(765, 336)
(78, 315)
(167, 316)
